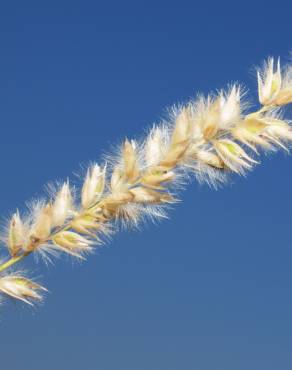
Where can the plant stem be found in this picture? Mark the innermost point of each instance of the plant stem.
(13, 260)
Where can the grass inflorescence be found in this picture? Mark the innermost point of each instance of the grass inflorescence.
(210, 137)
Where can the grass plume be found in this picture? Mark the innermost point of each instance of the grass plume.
(210, 137)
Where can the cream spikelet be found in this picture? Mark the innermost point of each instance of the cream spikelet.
(211, 137)
(155, 146)
(93, 186)
(131, 167)
(72, 243)
(275, 87)
(269, 82)
(21, 288)
(233, 156)
(16, 234)
(285, 94)
(62, 206)
(230, 107)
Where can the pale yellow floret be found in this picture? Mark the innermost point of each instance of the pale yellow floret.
(233, 155)
(16, 234)
(86, 224)
(154, 148)
(274, 87)
(229, 112)
(146, 195)
(72, 243)
(62, 206)
(117, 179)
(131, 167)
(42, 226)
(93, 186)
(285, 94)
(183, 128)
(206, 116)
(157, 177)
(216, 113)
(21, 288)
(210, 159)
(269, 82)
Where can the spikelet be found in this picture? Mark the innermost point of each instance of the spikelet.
(183, 127)
(72, 243)
(112, 203)
(285, 94)
(206, 116)
(150, 196)
(117, 180)
(249, 132)
(175, 155)
(180, 139)
(21, 288)
(267, 129)
(273, 87)
(269, 82)
(278, 136)
(131, 167)
(217, 112)
(93, 186)
(230, 108)
(42, 226)
(86, 224)
(233, 155)
(16, 234)
(154, 147)
(156, 177)
(62, 206)
(210, 159)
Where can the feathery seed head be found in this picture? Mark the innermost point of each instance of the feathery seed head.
(204, 137)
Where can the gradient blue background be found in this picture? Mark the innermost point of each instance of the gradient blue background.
(211, 288)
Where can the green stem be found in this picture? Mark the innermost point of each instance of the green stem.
(12, 261)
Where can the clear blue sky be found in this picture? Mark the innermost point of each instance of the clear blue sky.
(208, 289)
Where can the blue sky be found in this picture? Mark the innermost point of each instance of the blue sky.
(210, 288)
